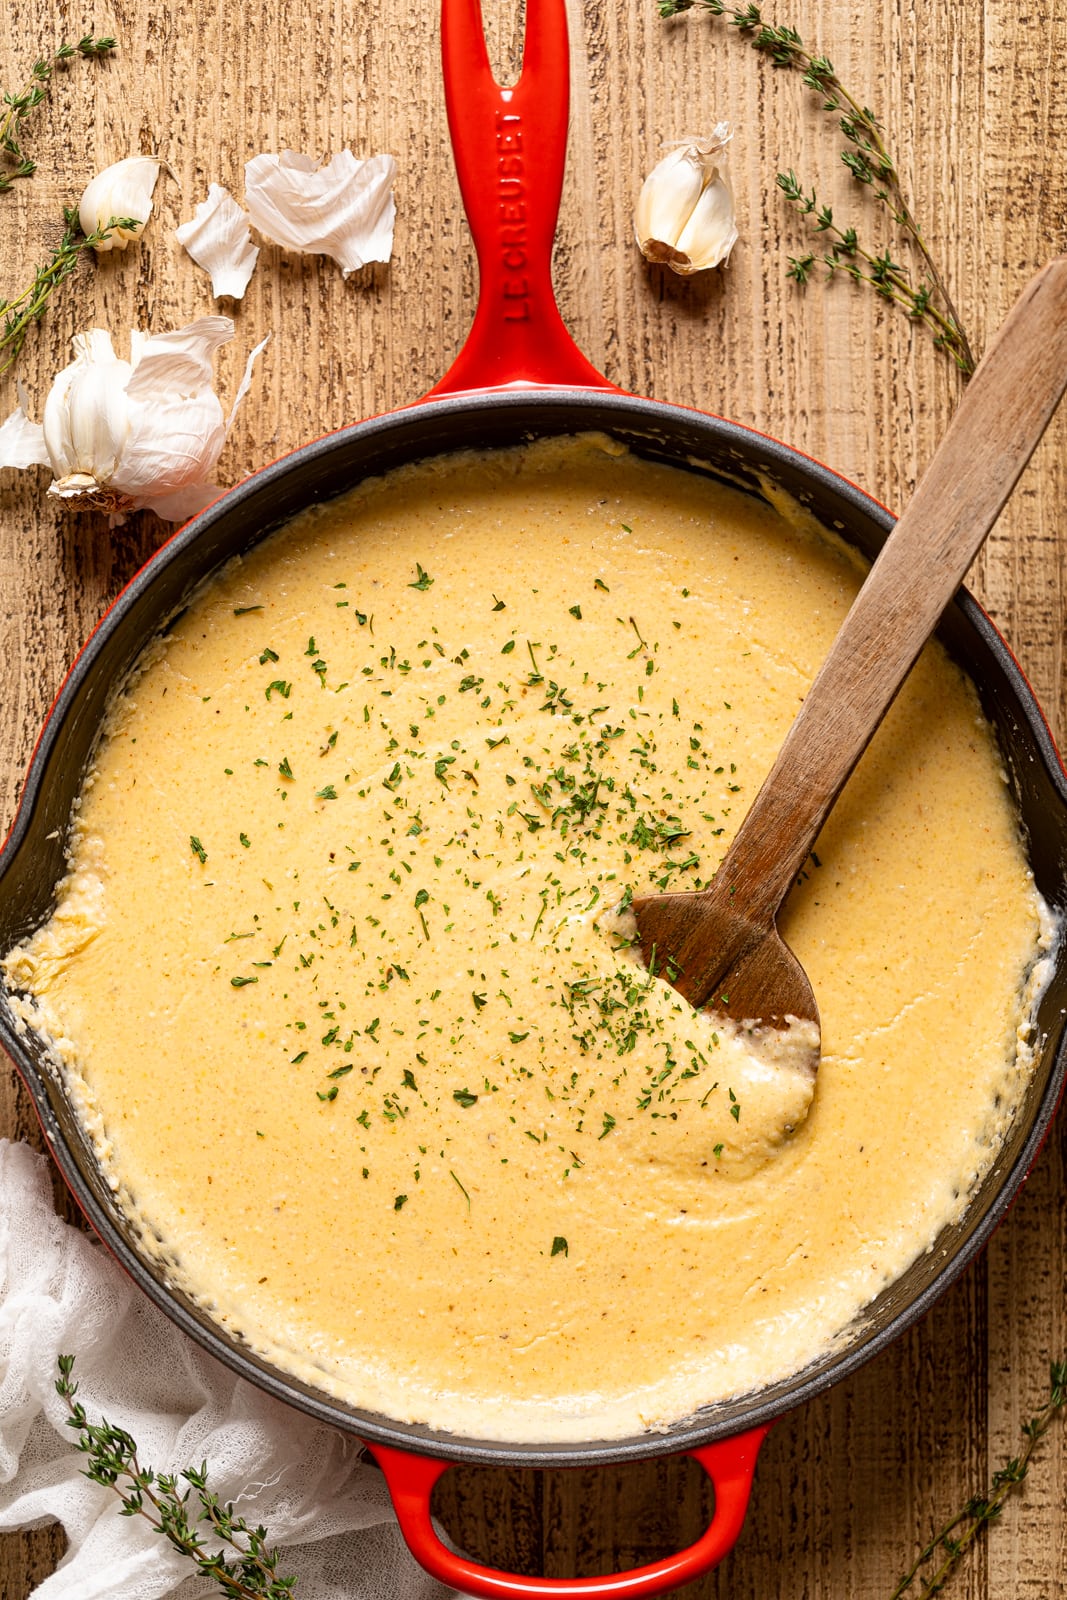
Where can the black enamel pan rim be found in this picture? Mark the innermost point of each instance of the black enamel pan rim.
(548, 411)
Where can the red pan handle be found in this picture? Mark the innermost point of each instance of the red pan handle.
(510, 147)
(729, 1464)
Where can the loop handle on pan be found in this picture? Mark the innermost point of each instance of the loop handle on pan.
(729, 1464)
(510, 148)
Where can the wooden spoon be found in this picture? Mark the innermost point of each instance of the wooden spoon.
(720, 947)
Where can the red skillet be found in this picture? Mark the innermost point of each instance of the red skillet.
(517, 341)
(520, 375)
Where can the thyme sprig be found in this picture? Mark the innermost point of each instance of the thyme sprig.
(951, 1543)
(29, 306)
(21, 103)
(250, 1574)
(872, 165)
(888, 278)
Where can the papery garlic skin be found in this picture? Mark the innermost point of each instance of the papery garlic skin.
(122, 190)
(218, 239)
(21, 439)
(123, 435)
(685, 212)
(344, 209)
(170, 399)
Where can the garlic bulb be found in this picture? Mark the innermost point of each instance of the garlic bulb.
(344, 209)
(218, 240)
(122, 190)
(121, 435)
(685, 211)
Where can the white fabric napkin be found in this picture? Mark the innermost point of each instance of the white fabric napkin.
(60, 1293)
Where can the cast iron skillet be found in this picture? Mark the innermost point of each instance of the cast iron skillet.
(520, 376)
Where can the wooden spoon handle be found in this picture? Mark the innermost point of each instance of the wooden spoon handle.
(1004, 411)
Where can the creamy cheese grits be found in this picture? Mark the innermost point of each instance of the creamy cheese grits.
(342, 978)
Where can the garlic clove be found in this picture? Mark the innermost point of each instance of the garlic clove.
(85, 421)
(344, 209)
(21, 439)
(711, 232)
(121, 190)
(176, 424)
(666, 202)
(218, 239)
(685, 212)
(174, 443)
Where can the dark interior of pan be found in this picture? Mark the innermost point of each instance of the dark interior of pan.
(33, 860)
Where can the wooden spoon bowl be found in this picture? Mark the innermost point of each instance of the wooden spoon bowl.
(746, 973)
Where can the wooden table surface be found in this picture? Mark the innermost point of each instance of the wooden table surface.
(975, 98)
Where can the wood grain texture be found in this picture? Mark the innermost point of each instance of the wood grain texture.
(974, 96)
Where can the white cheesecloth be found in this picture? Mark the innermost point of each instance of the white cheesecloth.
(60, 1293)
